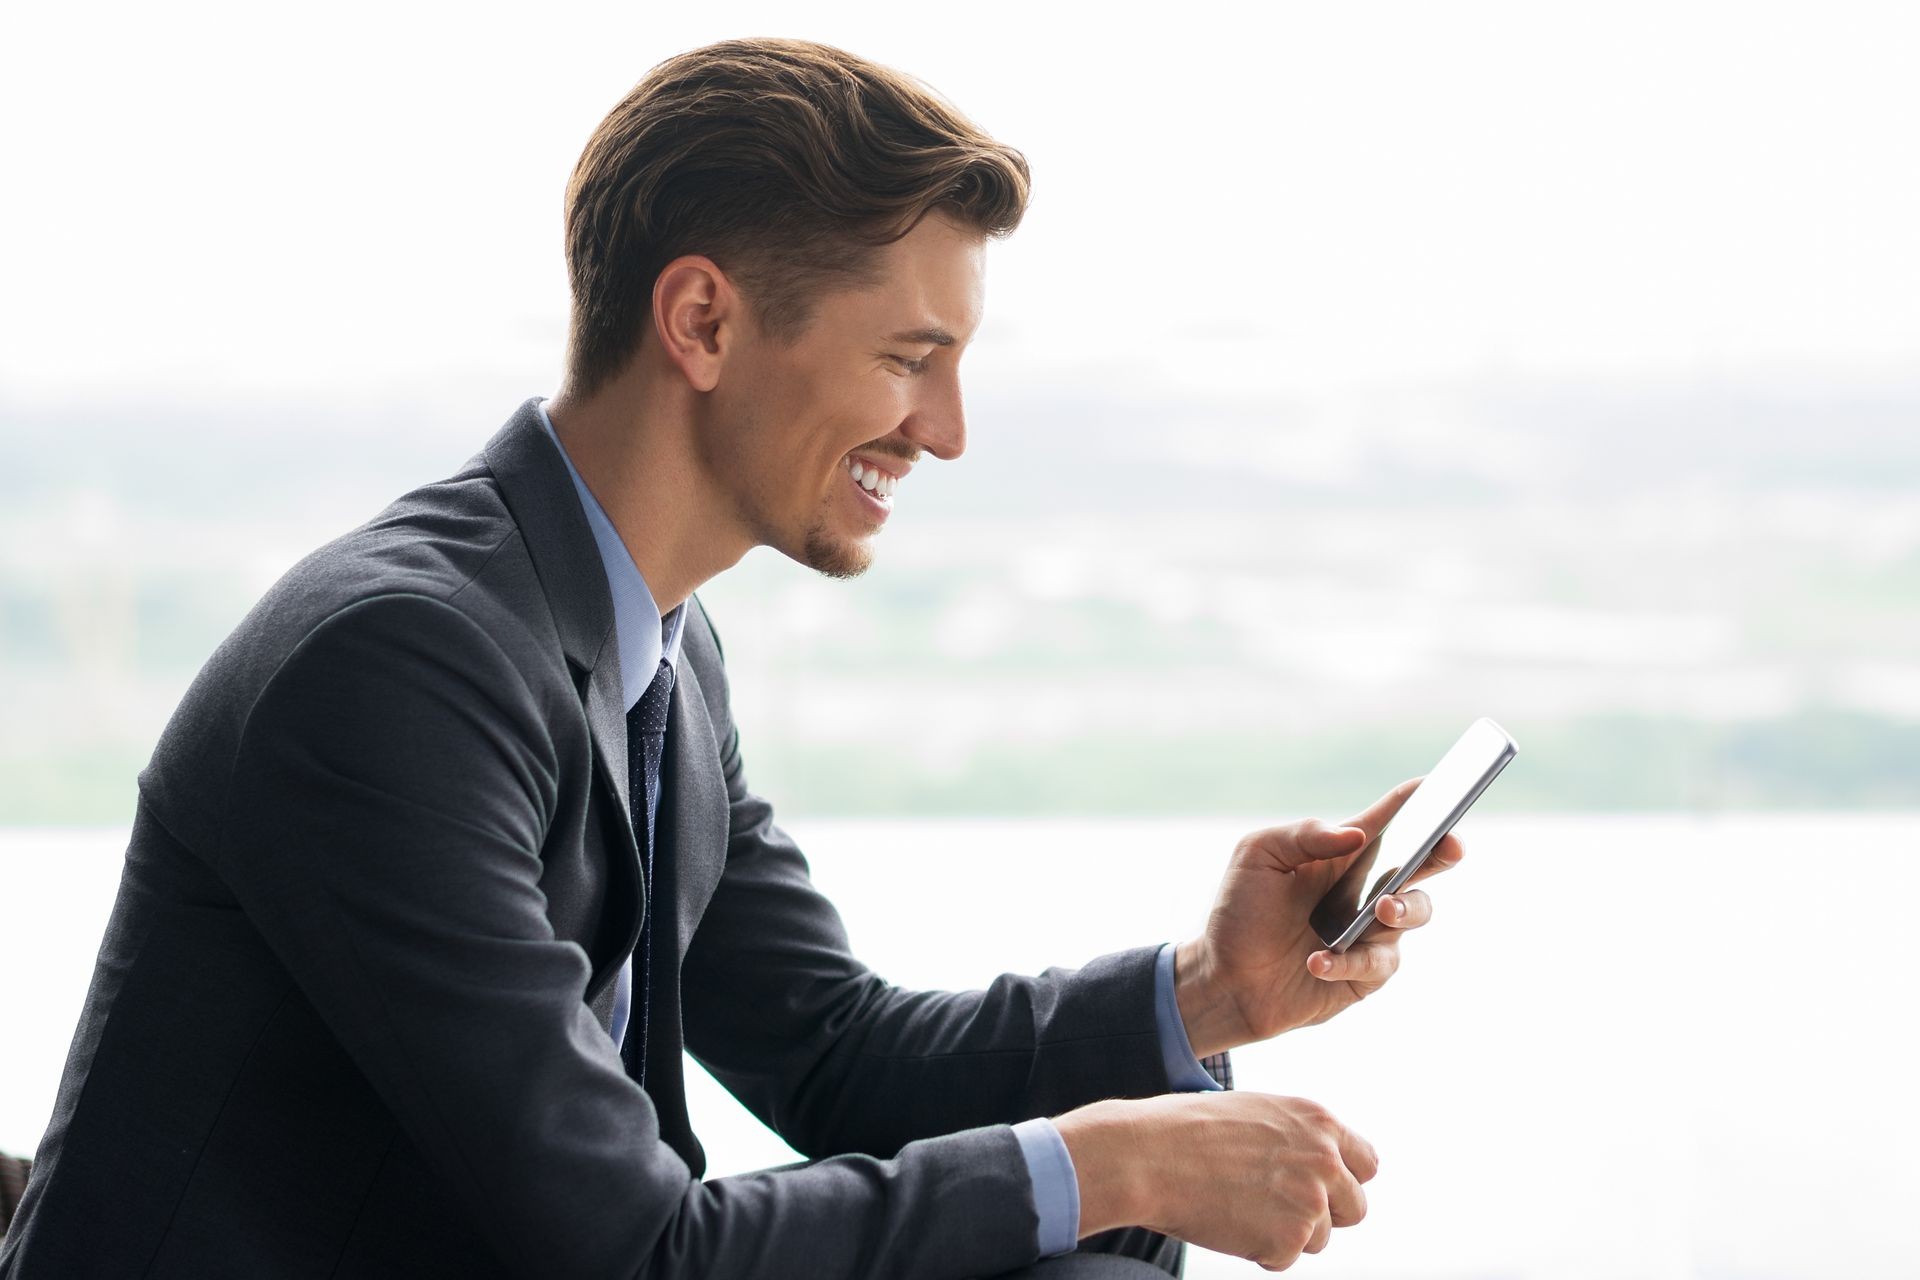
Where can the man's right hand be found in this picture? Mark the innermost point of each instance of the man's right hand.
(1254, 1175)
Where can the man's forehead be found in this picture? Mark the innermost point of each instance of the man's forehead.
(932, 289)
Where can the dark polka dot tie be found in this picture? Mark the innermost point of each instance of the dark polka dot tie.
(646, 741)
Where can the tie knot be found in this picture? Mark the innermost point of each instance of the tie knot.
(649, 714)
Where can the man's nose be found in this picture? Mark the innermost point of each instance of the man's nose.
(939, 425)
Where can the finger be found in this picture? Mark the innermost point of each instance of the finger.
(1346, 1202)
(1445, 855)
(1318, 839)
(1310, 840)
(1366, 962)
(1408, 909)
(1358, 1155)
(1374, 819)
(1280, 1259)
(1322, 1232)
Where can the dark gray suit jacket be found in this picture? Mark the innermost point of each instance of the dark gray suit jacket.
(351, 1011)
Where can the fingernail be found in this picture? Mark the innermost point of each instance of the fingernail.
(1395, 908)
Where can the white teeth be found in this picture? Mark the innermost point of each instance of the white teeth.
(872, 479)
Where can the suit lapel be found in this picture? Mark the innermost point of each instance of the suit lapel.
(607, 721)
(539, 493)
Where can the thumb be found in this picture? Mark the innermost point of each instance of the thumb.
(1319, 839)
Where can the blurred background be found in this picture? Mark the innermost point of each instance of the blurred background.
(1357, 371)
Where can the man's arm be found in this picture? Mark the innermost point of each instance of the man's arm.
(392, 789)
(836, 1059)
(1056, 1183)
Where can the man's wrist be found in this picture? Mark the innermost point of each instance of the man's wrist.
(1211, 1016)
(1056, 1186)
(1100, 1143)
(1186, 1072)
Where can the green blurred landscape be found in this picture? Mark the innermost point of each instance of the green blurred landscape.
(1689, 595)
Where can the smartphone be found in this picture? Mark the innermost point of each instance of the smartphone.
(1442, 797)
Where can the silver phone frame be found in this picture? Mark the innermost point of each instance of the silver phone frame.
(1366, 915)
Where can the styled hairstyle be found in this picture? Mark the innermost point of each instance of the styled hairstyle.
(789, 163)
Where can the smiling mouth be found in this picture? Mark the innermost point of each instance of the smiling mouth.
(874, 488)
(876, 483)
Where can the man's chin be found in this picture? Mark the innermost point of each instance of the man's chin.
(833, 555)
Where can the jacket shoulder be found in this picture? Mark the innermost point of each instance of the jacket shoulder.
(452, 543)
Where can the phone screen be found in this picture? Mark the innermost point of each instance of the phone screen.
(1446, 793)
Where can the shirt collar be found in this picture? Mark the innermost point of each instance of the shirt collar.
(642, 636)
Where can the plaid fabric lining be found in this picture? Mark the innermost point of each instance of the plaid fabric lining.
(1220, 1067)
(13, 1184)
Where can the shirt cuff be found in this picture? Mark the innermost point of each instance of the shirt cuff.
(1056, 1188)
(1185, 1073)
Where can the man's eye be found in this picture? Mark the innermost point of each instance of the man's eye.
(911, 366)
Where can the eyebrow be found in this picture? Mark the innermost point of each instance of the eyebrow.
(937, 336)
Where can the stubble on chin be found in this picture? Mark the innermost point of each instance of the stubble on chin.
(835, 557)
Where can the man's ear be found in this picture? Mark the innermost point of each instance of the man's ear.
(696, 314)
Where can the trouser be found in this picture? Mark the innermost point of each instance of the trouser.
(1124, 1253)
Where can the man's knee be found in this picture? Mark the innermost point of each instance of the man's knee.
(1165, 1254)
(1124, 1253)
(1086, 1266)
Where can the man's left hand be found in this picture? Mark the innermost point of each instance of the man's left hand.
(1259, 968)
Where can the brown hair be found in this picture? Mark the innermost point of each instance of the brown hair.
(787, 162)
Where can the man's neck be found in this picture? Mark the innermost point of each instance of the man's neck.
(636, 455)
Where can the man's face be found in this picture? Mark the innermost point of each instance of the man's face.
(872, 384)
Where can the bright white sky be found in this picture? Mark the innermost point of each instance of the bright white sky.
(366, 197)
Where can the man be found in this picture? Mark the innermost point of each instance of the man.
(448, 852)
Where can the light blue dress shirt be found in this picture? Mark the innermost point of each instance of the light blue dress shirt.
(643, 638)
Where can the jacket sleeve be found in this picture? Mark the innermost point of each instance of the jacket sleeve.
(833, 1057)
(383, 828)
